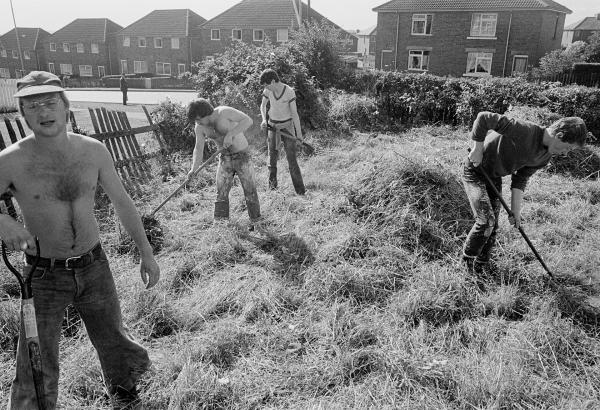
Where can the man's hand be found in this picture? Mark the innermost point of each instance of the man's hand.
(476, 155)
(263, 125)
(149, 271)
(190, 175)
(14, 235)
(227, 141)
(515, 220)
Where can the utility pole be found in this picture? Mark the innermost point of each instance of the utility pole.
(18, 40)
(308, 12)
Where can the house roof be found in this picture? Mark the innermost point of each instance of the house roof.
(367, 32)
(469, 5)
(263, 14)
(168, 23)
(29, 38)
(86, 29)
(588, 23)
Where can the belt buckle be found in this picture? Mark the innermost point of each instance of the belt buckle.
(68, 262)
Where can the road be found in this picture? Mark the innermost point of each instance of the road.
(134, 96)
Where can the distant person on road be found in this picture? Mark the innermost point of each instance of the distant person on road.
(226, 126)
(123, 87)
(282, 116)
(54, 174)
(517, 148)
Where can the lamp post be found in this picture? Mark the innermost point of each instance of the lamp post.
(18, 40)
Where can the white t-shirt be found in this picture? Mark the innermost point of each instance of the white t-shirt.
(279, 109)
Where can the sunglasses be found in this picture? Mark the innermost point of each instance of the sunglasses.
(37, 106)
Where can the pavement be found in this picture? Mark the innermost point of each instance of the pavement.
(134, 95)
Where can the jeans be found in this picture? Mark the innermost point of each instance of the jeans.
(229, 166)
(289, 144)
(92, 292)
(486, 208)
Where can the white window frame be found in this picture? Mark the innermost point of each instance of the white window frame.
(255, 33)
(94, 48)
(66, 69)
(281, 38)
(520, 56)
(126, 41)
(85, 70)
(66, 47)
(175, 43)
(123, 66)
(101, 71)
(162, 66)
(421, 54)
(26, 55)
(80, 48)
(140, 66)
(15, 54)
(3, 52)
(479, 22)
(4, 72)
(217, 32)
(425, 19)
(52, 46)
(51, 68)
(479, 57)
(158, 40)
(180, 69)
(233, 35)
(142, 42)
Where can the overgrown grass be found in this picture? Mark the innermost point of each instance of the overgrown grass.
(354, 297)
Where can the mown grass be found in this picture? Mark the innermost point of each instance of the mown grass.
(354, 296)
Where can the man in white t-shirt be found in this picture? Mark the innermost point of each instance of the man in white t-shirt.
(282, 120)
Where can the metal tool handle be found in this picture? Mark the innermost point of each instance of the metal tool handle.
(24, 283)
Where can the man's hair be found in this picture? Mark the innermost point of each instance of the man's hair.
(61, 94)
(574, 130)
(200, 107)
(267, 76)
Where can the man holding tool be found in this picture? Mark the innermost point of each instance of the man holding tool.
(53, 174)
(282, 120)
(517, 148)
(226, 126)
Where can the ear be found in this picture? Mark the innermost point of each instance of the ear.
(559, 135)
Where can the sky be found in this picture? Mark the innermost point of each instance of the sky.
(52, 15)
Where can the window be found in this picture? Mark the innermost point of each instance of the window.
(4, 73)
(180, 69)
(94, 48)
(483, 24)
(519, 64)
(236, 34)
(3, 53)
(52, 46)
(258, 35)
(141, 41)
(479, 64)
(158, 42)
(15, 54)
(123, 66)
(282, 35)
(421, 24)
(163, 68)
(101, 71)
(126, 41)
(51, 68)
(26, 55)
(80, 47)
(140, 67)
(175, 43)
(85, 70)
(19, 73)
(66, 69)
(418, 59)
(215, 34)
(66, 47)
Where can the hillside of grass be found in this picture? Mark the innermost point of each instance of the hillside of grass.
(353, 296)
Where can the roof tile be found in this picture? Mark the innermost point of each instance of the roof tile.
(470, 5)
(168, 23)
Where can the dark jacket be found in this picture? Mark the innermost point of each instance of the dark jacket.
(123, 84)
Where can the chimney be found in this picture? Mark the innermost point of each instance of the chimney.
(598, 16)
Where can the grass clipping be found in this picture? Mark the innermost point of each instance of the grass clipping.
(417, 206)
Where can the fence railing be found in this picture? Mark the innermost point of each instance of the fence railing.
(589, 79)
(8, 87)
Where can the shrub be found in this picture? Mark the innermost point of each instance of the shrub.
(350, 110)
(172, 119)
(575, 100)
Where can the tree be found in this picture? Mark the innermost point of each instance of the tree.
(593, 48)
(561, 61)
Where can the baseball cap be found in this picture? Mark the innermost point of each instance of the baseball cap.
(38, 82)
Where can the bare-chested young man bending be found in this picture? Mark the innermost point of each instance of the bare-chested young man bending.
(53, 174)
(226, 126)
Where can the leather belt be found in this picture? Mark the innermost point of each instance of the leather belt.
(75, 262)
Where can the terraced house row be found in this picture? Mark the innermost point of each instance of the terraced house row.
(444, 37)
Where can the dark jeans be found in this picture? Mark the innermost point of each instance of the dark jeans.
(289, 144)
(229, 166)
(92, 292)
(124, 97)
(486, 208)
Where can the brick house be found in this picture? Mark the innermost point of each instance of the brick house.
(581, 30)
(32, 52)
(366, 47)
(85, 47)
(254, 21)
(467, 37)
(163, 43)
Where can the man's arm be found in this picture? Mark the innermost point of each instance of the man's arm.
(515, 206)
(128, 215)
(484, 122)
(263, 110)
(201, 133)
(242, 123)
(296, 120)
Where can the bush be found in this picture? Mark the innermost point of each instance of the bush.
(350, 110)
(177, 132)
(579, 101)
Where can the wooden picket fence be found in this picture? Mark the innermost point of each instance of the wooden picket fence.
(8, 87)
(114, 130)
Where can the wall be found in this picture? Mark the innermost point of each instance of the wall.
(152, 55)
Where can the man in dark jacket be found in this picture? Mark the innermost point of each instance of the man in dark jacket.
(123, 87)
